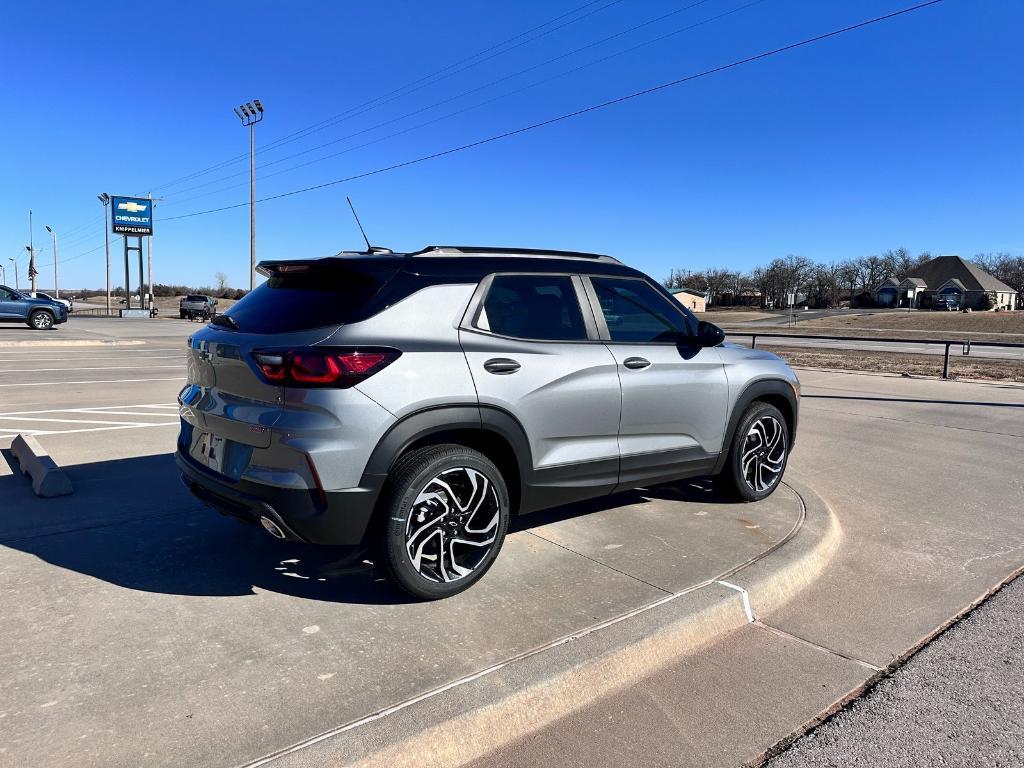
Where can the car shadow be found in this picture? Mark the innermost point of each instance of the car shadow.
(132, 523)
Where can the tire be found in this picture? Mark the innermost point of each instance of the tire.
(41, 320)
(182, 315)
(433, 545)
(762, 437)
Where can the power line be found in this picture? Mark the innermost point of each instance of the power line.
(419, 84)
(576, 113)
(463, 95)
(474, 106)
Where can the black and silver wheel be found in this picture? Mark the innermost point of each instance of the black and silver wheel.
(41, 320)
(447, 513)
(758, 454)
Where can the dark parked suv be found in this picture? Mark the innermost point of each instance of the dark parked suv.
(414, 402)
(41, 314)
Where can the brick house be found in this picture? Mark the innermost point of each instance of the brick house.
(947, 277)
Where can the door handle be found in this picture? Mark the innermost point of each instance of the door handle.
(636, 363)
(501, 365)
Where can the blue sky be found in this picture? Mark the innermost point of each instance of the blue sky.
(907, 133)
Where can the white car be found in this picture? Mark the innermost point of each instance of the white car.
(41, 295)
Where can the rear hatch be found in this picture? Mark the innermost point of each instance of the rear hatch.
(302, 303)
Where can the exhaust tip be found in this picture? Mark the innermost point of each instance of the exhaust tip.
(272, 528)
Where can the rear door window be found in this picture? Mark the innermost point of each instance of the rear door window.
(543, 307)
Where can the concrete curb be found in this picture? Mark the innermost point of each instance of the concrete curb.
(470, 718)
(70, 343)
(48, 479)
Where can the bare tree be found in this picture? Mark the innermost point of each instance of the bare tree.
(222, 281)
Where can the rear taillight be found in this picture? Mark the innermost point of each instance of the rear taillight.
(322, 366)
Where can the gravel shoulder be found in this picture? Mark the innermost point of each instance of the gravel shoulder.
(957, 702)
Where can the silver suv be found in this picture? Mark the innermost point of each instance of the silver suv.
(412, 403)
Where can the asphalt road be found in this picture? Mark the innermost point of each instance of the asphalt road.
(958, 702)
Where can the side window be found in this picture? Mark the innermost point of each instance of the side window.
(635, 311)
(6, 295)
(533, 307)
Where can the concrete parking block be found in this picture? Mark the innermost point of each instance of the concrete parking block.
(47, 478)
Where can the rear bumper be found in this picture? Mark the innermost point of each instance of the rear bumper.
(345, 520)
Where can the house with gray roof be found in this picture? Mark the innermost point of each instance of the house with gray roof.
(947, 277)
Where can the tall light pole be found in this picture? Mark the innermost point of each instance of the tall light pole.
(31, 254)
(149, 243)
(17, 287)
(56, 288)
(251, 113)
(105, 199)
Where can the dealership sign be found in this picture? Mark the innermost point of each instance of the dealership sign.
(132, 215)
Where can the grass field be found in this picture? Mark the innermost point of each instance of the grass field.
(959, 322)
(955, 326)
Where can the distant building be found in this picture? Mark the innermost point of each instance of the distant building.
(947, 277)
(690, 298)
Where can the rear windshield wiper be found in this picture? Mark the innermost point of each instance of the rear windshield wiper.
(225, 320)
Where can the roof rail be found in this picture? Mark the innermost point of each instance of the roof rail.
(486, 250)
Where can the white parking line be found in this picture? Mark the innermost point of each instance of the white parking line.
(98, 381)
(84, 357)
(96, 408)
(68, 421)
(40, 432)
(98, 368)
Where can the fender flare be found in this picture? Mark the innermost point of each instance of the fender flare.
(414, 427)
(754, 391)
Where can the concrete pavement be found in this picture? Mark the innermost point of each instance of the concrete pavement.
(157, 627)
(141, 626)
(924, 477)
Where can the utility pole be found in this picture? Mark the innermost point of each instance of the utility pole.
(251, 113)
(105, 199)
(17, 286)
(56, 286)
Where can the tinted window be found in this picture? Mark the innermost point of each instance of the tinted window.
(636, 311)
(6, 294)
(533, 307)
(312, 298)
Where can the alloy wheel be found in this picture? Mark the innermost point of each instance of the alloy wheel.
(764, 454)
(452, 524)
(41, 321)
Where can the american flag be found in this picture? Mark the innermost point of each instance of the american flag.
(32, 271)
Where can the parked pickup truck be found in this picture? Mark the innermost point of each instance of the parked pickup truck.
(41, 314)
(197, 305)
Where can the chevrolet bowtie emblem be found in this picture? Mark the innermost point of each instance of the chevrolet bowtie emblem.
(131, 207)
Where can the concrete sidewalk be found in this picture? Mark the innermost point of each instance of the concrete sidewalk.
(925, 479)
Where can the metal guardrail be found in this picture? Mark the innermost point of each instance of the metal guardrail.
(947, 343)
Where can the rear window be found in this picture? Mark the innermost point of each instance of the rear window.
(313, 298)
(195, 298)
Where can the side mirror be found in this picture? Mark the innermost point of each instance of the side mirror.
(709, 334)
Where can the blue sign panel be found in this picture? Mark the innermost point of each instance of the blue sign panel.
(132, 215)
